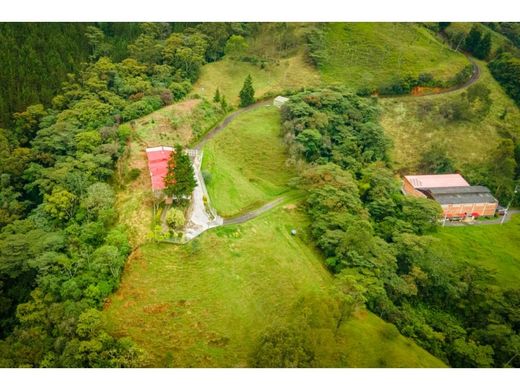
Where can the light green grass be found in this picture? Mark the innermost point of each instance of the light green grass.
(247, 162)
(206, 303)
(229, 75)
(496, 247)
(465, 141)
(372, 54)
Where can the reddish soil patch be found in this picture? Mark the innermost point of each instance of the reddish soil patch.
(156, 308)
(420, 91)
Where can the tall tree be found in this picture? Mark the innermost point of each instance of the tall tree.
(180, 178)
(247, 93)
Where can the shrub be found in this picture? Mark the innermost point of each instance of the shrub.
(175, 218)
(134, 174)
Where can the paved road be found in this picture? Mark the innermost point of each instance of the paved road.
(255, 213)
(496, 221)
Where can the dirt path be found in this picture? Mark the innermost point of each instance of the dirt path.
(475, 75)
(255, 213)
(222, 125)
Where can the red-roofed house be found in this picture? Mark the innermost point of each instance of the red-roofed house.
(158, 165)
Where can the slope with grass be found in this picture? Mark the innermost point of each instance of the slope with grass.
(206, 303)
(228, 75)
(246, 162)
(414, 123)
(373, 54)
(495, 247)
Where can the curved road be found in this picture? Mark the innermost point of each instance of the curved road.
(475, 75)
(268, 206)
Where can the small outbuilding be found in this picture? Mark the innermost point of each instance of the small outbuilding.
(279, 101)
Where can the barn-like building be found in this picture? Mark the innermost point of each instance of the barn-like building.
(456, 196)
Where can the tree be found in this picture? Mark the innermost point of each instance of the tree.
(247, 93)
(484, 47)
(180, 177)
(236, 46)
(96, 40)
(284, 347)
(436, 160)
(473, 38)
(216, 98)
(60, 204)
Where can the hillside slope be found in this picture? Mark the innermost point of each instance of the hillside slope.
(372, 54)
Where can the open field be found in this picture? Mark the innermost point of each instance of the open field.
(372, 54)
(247, 162)
(206, 303)
(496, 247)
(229, 75)
(413, 123)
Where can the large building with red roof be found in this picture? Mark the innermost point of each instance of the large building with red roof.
(158, 165)
(456, 196)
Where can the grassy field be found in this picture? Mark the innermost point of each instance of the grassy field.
(412, 125)
(372, 54)
(229, 76)
(496, 247)
(206, 303)
(247, 162)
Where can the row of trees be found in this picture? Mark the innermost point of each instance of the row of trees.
(379, 240)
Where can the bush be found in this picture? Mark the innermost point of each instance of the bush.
(180, 90)
(175, 218)
(134, 174)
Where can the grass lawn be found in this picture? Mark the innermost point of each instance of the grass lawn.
(465, 141)
(372, 54)
(206, 303)
(247, 162)
(229, 76)
(496, 247)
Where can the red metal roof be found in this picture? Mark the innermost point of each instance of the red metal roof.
(436, 181)
(158, 165)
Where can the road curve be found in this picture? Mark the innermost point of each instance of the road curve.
(475, 75)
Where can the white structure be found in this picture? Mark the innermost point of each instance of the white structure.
(279, 101)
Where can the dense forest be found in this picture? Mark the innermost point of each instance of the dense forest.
(61, 252)
(377, 241)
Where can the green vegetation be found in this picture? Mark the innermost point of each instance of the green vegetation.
(470, 125)
(207, 303)
(506, 70)
(247, 162)
(494, 247)
(376, 239)
(61, 250)
(287, 74)
(370, 55)
(247, 93)
(180, 178)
